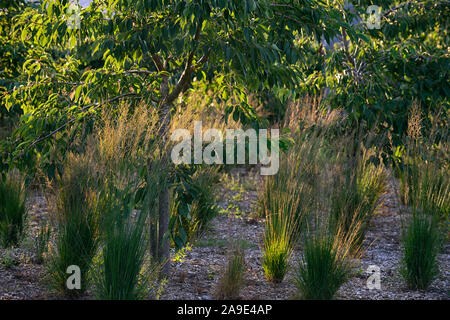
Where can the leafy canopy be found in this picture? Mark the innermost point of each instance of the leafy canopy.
(152, 50)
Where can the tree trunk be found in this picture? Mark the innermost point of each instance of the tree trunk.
(154, 240)
(163, 239)
(163, 243)
(164, 111)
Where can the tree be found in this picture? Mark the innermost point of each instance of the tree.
(377, 77)
(153, 50)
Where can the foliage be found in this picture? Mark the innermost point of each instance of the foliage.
(278, 245)
(357, 187)
(277, 253)
(247, 62)
(127, 179)
(426, 187)
(193, 203)
(126, 154)
(423, 170)
(12, 208)
(294, 195)
(268, 105)
(120, 274)
(108, 196)
(12, 53)
(422, 167)
(152, 50)
(291, 191)
(377, 75)
(9, 259)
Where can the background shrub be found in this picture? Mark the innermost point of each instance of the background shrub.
(193, 203)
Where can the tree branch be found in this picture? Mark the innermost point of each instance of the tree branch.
(202, 60)
(139, 71)
(185, 77)
(406, 4)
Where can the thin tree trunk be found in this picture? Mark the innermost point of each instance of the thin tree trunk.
(164, 110)
(154, 240)
(163, 240)
(164, 201)
(159, 231)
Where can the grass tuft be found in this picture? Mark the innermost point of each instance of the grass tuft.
(77, 223)
(421, 246)
(323, 270)
(278, 245)
(357, 187)
(12, 208)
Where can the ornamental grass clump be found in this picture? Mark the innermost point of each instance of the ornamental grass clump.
(279, 241)
(76, 223)
(357, 187)
(327, 262)
(420, 249)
